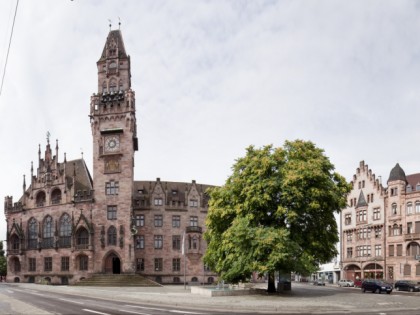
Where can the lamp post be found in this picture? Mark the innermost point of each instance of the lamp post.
(375, 269)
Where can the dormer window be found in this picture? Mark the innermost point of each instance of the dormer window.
(408, 188)
(418, 187)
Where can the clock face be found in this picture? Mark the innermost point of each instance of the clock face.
(112, 144)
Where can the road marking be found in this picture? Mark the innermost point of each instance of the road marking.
(71, 301)
(10, 291)
(165, 310)
(185, 312)
(96, 312)
(132, 312)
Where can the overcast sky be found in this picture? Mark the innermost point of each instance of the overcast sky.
(213, 77)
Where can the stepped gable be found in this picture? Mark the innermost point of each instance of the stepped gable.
(397, 173)
(364, 168)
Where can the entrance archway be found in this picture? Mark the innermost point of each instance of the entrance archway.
(112, 264)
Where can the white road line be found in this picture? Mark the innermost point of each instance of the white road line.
(96, 312)
(10, 291)
(71, 301)
(185, 312)
(132, 312)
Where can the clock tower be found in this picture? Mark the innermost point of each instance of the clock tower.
(114, 133)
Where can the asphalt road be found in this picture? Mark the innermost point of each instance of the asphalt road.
(304, 299)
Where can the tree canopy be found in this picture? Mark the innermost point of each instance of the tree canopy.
(275, 213)
(3, 261)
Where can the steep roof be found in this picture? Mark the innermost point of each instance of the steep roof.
(361, 202)
(397, 173)
(114, 38)
(83, 179)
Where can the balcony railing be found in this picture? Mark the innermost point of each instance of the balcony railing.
(411, 236)
(194, 229)
(64, 241)
(47, 242)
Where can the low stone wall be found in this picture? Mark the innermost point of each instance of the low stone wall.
(213, 291)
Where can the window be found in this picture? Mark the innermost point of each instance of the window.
(65, 263)
(417, 206)
(378, 232)
(394, 209)
(391, 250)
(158, 201)
(48, 233)
(371, 197)
(417, 270)
(362, 215)
(193, 221)
(409, 208)
(40, 199)
(140, 264)
(176, 221)
(140, 220)
(347, 219)
(15, 242)
(394, 191)
(349, 236)
(83, 262)
(56, 196)
(32, 234)
(396, 230)
(409, 227)
(112, 212)
(418, 187)
(351, 202)
(176, 242)
(112, 236)
(140, 242)
(378, 250)
(32, 264)
(368, 198)
(376, 214)
(407, 270)
(363, 251)
(413, 249)
(363, 184)
(176, 264)
(82, 239)
(111, 188)
(158, 264)
(47, 263)
(193, 203)
(409, 188)
(158, 240)
(193, 242)
(158, 220)
(65, 231)
(349, 252)
(364, 233)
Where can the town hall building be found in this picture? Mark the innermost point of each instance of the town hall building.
(70, 224)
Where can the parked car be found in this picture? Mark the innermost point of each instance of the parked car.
(406, 285)
(319, 282)
(376, 286)
(345, 283)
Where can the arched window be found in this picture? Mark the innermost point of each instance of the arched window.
(194, 279)
(40, 199)
(15, 242)
(65, 231)
(104, 88)
(112, 236)
(210, 280)
(48, 233)
(56, 196)
(32, 234)
(409, 208)
(82, 239)
(395, 230)
(413, 249)
(394, 208)
(417, 206)
(112, 86)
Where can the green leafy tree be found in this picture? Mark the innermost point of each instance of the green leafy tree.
(275, 213)
(3, 261)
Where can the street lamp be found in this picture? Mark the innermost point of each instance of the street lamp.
(375, 269)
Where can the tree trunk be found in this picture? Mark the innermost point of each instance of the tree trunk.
(271, 284)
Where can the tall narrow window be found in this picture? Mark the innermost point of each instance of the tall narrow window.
(32, 234)
(176, 242)
(82, 239)
(140, 264)
(65, 263)
(176, 221)
(47, 263)
(140, 220)
(176, 264)
(409, 208)
(158, 241)
(65, 231)
(158, 220)
(193, 221)
(158, 264)
(48, 233)
(112, 236)
(32, 264)
(140, 242)
(83, 262)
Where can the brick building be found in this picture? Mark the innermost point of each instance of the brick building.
(67, 225)
(380, 228)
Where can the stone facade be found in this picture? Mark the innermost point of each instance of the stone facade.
(68, 226)
(380, 228)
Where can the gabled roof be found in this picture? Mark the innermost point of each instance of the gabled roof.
(397, 173)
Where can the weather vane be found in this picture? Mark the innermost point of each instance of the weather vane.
(110, 24)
